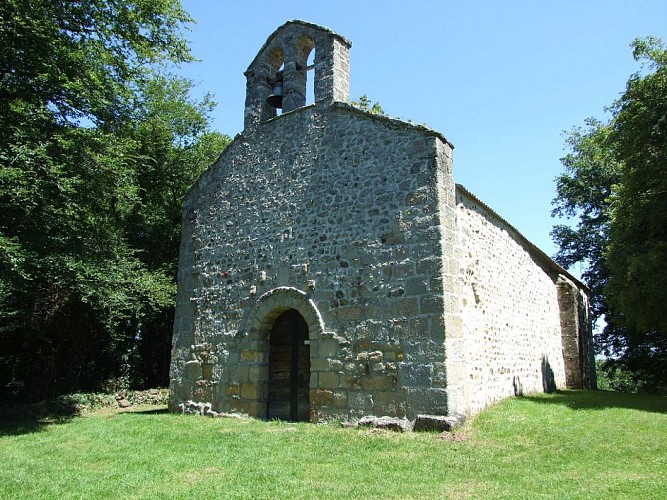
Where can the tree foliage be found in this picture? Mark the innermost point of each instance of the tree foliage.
(638, 251)
(583, 193)
(615, 186)
(85, 59)
(98, 145)
(364, 103)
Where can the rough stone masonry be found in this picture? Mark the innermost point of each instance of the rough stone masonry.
(330, 267)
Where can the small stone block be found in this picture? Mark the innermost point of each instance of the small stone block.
(250, 391)
(388, 423)
(321, 397)
(438, 423)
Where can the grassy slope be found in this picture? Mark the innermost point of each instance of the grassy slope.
(565, 445)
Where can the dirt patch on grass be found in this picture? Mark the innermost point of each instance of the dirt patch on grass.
(203, 474)
(377, 432)
(454, 437)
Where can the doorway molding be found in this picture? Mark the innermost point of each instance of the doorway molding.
(273, 303)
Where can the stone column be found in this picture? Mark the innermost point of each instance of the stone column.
(332, 70)
(258, 88)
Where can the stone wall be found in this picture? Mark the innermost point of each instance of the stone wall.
(509, 304)
(332, 212)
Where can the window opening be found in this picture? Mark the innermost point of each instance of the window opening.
(310, 78)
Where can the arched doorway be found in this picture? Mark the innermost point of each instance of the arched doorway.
(289, 368)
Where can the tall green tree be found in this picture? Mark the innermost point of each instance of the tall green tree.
(85, 58)
(583, 193)
(175, 145)
(79, 279)
(638, 252)
(614, 186)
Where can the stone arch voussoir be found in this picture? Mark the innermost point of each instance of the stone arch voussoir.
(273, 303)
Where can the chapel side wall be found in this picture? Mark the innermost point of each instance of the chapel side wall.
(341, 206)
(510, 311)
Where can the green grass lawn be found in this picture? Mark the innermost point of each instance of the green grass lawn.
(564, 445)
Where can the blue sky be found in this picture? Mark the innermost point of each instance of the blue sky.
(501, 80)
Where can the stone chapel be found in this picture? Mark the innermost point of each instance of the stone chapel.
(331, 268)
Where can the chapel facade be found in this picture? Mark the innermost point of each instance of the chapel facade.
(331, 268)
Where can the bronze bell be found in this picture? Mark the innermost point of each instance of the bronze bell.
(275, 100)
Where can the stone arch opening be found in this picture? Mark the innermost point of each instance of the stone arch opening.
(289, 368)
(276, 58)
(305, 64)
(290, 67)
(263, 324)
(276, 301)
(276, 63)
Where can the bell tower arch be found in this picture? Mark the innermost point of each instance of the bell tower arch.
(284, 59)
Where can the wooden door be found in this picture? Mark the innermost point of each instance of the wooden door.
(289, 368)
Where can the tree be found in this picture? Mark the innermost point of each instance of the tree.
(583, 192)
(85, 59)
(638, 251)
(614, 186)
(80, 280)
(175, 146)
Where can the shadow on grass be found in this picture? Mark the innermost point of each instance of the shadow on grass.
(15, 428)
(600, 400)
(34, 417)
(29, 418)
(151, 411)
(18, 425)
